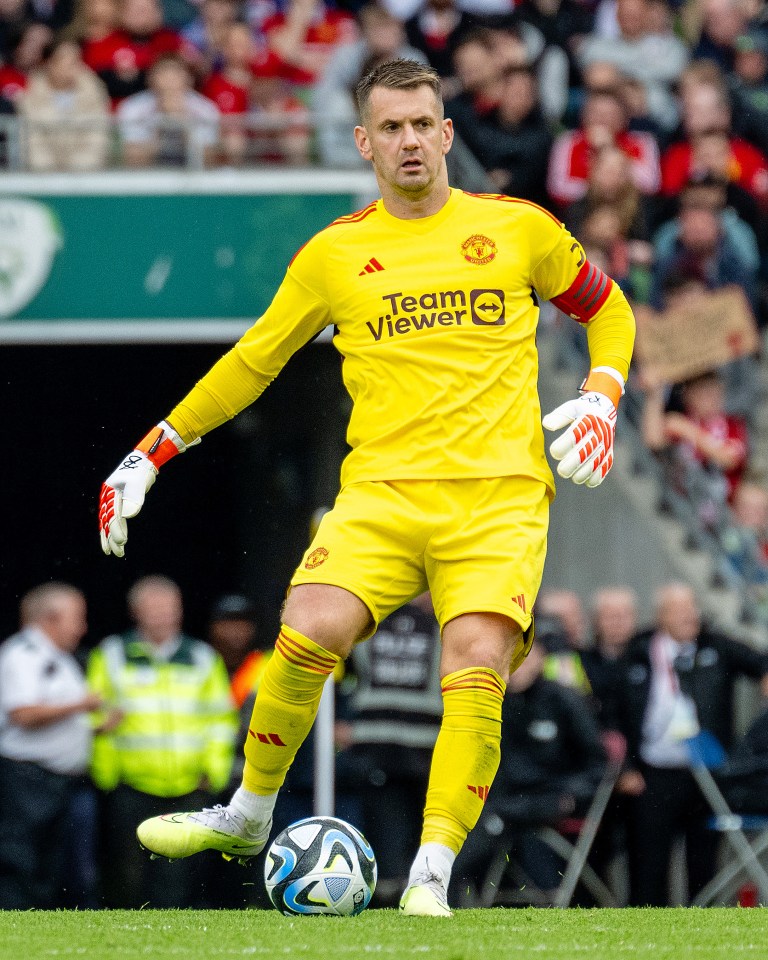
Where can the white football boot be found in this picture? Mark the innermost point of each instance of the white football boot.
(178, 835)
(426, 896)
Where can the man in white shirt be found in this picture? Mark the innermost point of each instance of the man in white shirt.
(646, 50)
(45, 743)
(168, 124)
(678, 679)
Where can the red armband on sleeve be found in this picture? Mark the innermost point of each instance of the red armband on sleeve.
(586, 294)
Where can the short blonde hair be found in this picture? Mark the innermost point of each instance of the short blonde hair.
(41, 602)
(153, 581)
(398, 74)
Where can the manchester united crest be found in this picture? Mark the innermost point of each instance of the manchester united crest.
(318, 556)
(478, 249)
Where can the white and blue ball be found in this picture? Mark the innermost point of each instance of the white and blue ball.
(320, 865)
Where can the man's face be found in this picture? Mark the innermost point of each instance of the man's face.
(383, 34)
(678, 614)
(751, 65)
(232, 639)
(603, 111)
(615, 619)
(66, 625)
(518, 97)
(632, 18)
(704, 111)
(475, 66)
(170, 84)
(699, 230)
(141, 16)
(239, 49)
(406, 139)
(64, 66)
(704, 398)
(158, 613)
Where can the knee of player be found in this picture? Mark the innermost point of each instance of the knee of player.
(480, 640)
(333, 618)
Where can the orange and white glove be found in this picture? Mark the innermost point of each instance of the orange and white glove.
(585, 450)
(122, 493)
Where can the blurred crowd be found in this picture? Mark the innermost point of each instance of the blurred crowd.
(151, 720)
(598, 107)
(643, 124)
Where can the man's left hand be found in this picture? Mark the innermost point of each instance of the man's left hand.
(585, 450)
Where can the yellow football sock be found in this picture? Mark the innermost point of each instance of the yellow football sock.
(466, 755)
(285, 709)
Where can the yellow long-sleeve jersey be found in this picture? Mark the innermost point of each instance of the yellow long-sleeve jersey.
(436, 321)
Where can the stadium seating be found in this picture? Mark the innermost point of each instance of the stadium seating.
(572, 840)
(707, 755)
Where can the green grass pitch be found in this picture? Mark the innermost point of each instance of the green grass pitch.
(498, 934)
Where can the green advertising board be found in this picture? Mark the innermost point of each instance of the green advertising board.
(156, 256)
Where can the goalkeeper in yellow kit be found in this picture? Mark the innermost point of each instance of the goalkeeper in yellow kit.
(433, 296)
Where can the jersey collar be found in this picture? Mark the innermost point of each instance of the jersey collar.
(421, 224)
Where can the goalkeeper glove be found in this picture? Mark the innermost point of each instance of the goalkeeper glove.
(585, 451)
(122, 493)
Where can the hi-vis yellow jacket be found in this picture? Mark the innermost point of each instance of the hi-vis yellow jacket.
(179, 724)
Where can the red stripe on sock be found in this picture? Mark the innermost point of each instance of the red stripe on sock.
(457, 688)
(326, 658)
(298, 650)
(295, 657)
(470, 679)
(286, 655)
(473, 681)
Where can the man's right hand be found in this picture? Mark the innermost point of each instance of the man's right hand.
(122, 493)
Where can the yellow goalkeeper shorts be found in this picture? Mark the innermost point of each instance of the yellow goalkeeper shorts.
(477, 544)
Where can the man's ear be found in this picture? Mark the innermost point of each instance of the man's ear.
(363, 143)
(447, 135)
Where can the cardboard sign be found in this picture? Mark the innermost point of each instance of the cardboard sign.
(708, 331)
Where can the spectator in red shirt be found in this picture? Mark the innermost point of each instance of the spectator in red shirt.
(205, 37)
(271, 100)
(302, 39)
(229, 88)
(610, 184)
(709, 146)
(228, 85)
(702, 433)
(255, 106)
(603, 124)
(123, 57)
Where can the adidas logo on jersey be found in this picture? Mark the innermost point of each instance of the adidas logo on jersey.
(520, 601)
(373, 266)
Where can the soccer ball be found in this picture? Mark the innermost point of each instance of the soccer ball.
(320, 865)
